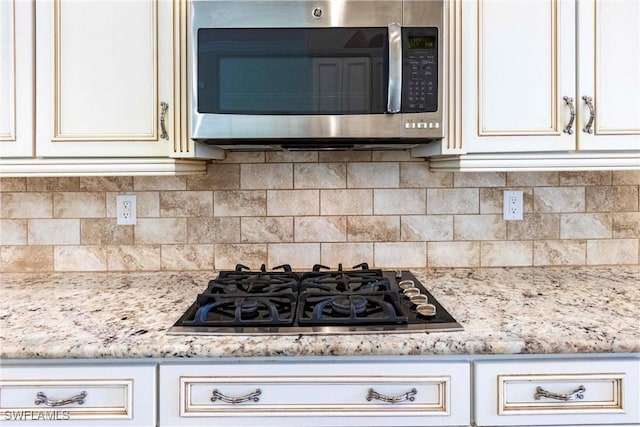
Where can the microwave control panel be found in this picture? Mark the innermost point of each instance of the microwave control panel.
(419, 70)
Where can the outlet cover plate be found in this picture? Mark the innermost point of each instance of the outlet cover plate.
(126, 209)
(512, 205)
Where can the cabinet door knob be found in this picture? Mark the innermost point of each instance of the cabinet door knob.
(588, 128)
(41, 398)
(163, 112)
(410, 396)
(574, 395)
(254, 396)
(569, 128)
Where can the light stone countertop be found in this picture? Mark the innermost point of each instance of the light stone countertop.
(502, 310)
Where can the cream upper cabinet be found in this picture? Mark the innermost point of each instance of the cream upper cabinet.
(16, 78)
(609, 74)
(518, 64)
(104, 78)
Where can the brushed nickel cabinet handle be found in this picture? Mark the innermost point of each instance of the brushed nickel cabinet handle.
(410, 396)
(574, 395)
(588, 128)
(254, 396)
(569, 101)
(42, 398)
(163, 112)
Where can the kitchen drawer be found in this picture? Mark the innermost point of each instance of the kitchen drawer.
(87, 395)
(557, 392)
(315, 394)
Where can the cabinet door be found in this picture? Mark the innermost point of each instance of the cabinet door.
(609, 59)
(103, 69)
(517, 65)
(16, 78)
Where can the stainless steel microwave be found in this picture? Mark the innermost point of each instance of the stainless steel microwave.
(309, 74)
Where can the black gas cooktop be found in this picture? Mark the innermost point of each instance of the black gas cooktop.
(321, 301)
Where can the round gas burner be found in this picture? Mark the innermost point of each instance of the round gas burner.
(342, 305)
(249, 308)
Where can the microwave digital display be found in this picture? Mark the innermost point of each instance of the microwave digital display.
(422, 42)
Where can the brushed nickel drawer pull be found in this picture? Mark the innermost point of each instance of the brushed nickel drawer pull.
(42, 398)
(588, 128)
(410, 396)
(163, 112)
(569, 101)
(575, 394)
(254, 396)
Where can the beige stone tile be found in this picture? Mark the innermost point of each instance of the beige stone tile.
(374, 228)
(400, 255)
(298, 255)
(559, 252)
(623, 198)
(585, 178)
(13, 184)
(417, 175)
(346, 202)
(349, 254)
(186, 204)
(479, 179)
(266, 230)
(53, 232)
(239, 203)
(373, 175)
(147, 204)
(400, 201)
(186, 257)
(534, 226)
(479, 227)
(292, 202)
(53, 184)
(79, 205)
(133, 258)
(291, 156)
(160, 231)
(159, 183)
(213, 230)
(243, 157)
(106, 183)
(558, 199)
(453, 201)
(626, 225)
(626, 177)
(586, 226)
(256, 176)
(26, 205)
(24, 259)
(320, 229)
(320, 175)
(105, 231)
(506, 254)
(251, 255)
(491, 199)
(344, 156)
(394, 156)
(454, 254)
(13, 231)
(219, 176)
(80, 258)
(533, 179)
(612, 252)
(426, 227)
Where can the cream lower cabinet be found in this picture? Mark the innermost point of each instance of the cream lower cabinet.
(322, 394)
(111, 395)
(560, 392)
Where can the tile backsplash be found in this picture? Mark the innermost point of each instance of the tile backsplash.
(303, 208)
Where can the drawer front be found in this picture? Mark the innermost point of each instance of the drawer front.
(310, 394)
(79, 395)
(557, 392)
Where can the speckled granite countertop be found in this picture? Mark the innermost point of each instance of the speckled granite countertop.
(503, 311)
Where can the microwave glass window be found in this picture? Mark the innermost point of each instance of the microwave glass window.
(292, 71)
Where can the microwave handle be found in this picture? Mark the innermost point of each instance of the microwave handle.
(395, 68)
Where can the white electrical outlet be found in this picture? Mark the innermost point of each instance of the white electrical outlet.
(512, 205)
(126, 209)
